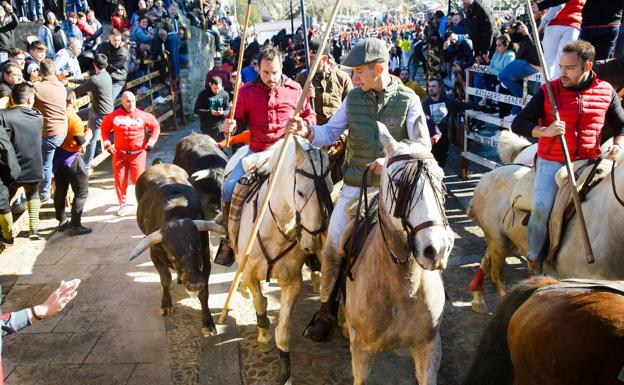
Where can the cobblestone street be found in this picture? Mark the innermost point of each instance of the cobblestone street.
(112, 333)
(330, 363)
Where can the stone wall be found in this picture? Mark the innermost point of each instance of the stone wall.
(201, 54)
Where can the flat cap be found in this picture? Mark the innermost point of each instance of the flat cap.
(367, 51)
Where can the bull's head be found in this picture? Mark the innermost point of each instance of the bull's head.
(209, 183)
(182, 242)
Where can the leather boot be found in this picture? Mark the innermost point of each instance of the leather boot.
(322, 323)
(535, 267)
(225, 254)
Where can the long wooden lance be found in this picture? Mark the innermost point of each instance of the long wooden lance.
(571, 178)
(306, 43)
(278, 166)
(239, 67)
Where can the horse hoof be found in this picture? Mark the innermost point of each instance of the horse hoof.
(479, 307)
(285, 364)
(265, 347)
(165, 311)
(209, 331)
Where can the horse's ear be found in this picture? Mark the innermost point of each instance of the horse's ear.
(391, 146)
(299, 151)
(420, 131)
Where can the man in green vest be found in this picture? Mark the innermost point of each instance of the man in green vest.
(382, 98)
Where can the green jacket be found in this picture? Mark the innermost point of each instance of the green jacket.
(364, 109)
(330, 89)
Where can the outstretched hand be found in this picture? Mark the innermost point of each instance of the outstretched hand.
(57, 301)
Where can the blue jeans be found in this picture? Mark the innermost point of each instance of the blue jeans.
(36, 9)
(602, 38)
(77, 6)
(544, 193)
(117, 87)
(49, 144)
(95, 120)
(511, 76)
(232, 179)
(171, 44)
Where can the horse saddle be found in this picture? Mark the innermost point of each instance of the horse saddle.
(588, 172)
(245, 191)
(522, 193)
(576, 284)
(259, 161)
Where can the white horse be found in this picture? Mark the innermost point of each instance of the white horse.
(290, 230)
(397, 297)
(506, 236)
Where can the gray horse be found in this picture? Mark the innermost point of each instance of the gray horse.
(397, 297)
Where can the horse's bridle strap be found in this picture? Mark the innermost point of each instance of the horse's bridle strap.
(399, 158)
(426, 224)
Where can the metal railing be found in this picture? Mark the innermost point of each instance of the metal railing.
(493, 119)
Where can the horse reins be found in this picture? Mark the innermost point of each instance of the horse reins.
(617, 197)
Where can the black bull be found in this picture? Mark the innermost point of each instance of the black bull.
(204, 161)
(170, 214)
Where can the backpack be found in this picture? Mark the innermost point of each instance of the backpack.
(59, 38)
(9, 166)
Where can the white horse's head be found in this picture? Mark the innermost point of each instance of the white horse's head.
(412, 202)
(311, 192)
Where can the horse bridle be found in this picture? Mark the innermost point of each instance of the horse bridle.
(323, 195)
(414, 166)
(326, 204)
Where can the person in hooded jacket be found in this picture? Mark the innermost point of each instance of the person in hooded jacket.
(24, 125)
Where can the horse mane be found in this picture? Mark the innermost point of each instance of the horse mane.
(510, 145)
(492, 362)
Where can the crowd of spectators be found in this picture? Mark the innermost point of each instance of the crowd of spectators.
(44, 73)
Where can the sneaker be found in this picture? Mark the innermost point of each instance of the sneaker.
(7, 242)
(45, 199)
(509, 118)
(63, 225)
(34, 235)
(142, 90)
(78, 230)
(123, 211)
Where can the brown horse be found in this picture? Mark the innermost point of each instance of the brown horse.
(545, 333)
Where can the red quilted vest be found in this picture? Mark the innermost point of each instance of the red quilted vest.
(584, 113)
(570, 15)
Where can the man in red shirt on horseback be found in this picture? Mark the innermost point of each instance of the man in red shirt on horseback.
(585, 104)
(264, 106)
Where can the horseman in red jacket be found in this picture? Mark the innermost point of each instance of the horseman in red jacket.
(585, 103)
(129, 126)
(264, 105)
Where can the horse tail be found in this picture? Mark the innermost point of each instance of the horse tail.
(510, 145)
(492, 361)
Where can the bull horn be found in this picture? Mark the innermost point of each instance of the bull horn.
(209, 226)
(147, 242)
(201, 174)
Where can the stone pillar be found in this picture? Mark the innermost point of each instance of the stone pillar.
(201, 54)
